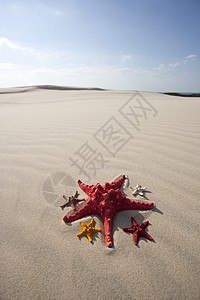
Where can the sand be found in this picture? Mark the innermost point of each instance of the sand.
(50, 138)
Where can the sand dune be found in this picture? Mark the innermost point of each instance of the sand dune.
(53, 136)
(45, 87)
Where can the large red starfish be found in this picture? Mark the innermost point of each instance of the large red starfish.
(138, 231)
(105, 201)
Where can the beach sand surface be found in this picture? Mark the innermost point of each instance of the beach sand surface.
(50, 138)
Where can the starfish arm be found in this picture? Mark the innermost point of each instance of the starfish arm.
(144, 225)
(141, 205)
(136, 205)
(96, 230)
(89, 236)
(129, 230)
(83, 212)
(86, 188)
(64, 205)
(146, 235)
(79, 200)
(136, 237)
(91, 224)
(80, 234)
(134, 223)
(108, 224)
(82, 225)
(117, 184)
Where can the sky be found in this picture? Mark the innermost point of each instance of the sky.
(146, 45)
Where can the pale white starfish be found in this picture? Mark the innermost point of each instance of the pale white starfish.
(138, 190)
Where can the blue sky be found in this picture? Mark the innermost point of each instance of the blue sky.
(150, 45)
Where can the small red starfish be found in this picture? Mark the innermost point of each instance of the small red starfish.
(138, 231)
(105, 201)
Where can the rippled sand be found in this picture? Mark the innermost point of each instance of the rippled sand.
(42, 131)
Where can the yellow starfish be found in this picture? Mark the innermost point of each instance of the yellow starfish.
(88, 230)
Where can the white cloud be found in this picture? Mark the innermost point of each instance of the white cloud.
(41, 71)
(191, 56)
(174, 65)
(160, 67)
(126, 57)
(5, 66)
(33, 52)
(11, 45)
